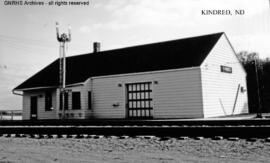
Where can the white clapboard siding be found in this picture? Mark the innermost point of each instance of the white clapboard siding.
(177, 93)
(26, 106)
(41, 113)
(84, 111)
(219, 88)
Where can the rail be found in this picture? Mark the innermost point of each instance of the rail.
(160, 131)
(254, 128)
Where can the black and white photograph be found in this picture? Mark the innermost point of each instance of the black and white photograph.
(134, 81)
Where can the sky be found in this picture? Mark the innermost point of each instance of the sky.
(28, 39)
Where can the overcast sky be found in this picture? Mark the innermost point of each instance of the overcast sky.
(28, 42)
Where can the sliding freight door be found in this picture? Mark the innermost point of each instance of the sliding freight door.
(139, 100)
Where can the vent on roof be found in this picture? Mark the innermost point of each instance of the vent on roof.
(96, 47)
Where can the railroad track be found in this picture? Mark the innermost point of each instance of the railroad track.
(133, 131)
(119, 122)
(153, 137)
(249, 128)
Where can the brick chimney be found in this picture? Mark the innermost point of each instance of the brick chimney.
(96, 47)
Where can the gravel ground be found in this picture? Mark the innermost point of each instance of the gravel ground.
(132, 150)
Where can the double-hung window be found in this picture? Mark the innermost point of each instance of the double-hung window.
(76, 100)
(48, 101)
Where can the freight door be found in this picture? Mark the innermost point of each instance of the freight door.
(139, 100)
(33, 107)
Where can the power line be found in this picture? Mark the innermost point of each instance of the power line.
(25, 39)
(43, 42)
(32, 47)
(26, 45)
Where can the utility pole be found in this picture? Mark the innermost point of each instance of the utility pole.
(62, 39)
(259, 110)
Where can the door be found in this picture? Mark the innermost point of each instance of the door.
(33, 107)
(139, 101)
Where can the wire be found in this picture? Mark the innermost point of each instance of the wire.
(15, 47)
(26, 45)
(24, 39)
(20, 40)
(29, 46)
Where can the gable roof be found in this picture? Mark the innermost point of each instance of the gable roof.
(181, 53)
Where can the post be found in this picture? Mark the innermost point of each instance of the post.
(64, 79)
(259, 110)
(63, 39)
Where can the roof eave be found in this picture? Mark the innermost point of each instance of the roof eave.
(33, 88)
(47, 87)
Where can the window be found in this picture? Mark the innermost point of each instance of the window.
(76, 100)
(89, 100)
(48, 101)
(226, 69)
(66, 101)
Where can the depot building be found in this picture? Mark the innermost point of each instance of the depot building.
(194, 77)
